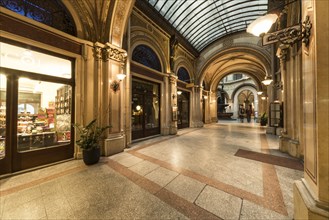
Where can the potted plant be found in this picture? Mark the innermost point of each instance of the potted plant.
(263, 119)
(90, 137)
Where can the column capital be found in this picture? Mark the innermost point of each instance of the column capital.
(282, 52)
(98, 51)
(172, 78)
(111, 52)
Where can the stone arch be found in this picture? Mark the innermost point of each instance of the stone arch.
(240, 86)
(258, 81)
(119, 20)
(76, 18)
(146, 39)
(182, 61)
(238, 59)
(236, 103)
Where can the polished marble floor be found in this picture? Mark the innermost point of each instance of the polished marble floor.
(192, 175)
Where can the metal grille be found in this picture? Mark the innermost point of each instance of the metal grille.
(49, 12)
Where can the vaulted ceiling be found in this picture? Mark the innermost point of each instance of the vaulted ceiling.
(202, 22)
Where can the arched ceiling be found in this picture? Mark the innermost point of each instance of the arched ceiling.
(202, 22)
(234, 60)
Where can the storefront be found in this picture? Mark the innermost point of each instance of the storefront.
(145, 108)
(36, 107)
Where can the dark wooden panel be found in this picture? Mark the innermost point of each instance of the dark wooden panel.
(146, 72)
(183, 85)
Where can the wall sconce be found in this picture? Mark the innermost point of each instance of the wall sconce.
(115, 84)
(259, 92)
(286, 36)
(263, 98)
(179, 92)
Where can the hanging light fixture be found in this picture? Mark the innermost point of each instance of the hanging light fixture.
(267, 81)
(262, 24)
(259, 92)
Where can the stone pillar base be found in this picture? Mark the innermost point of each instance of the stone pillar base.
(305, 207)
(173, 130)
(198, 124)
(113, 145)
(289, 146)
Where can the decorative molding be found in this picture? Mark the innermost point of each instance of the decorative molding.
(109, 52)
(282, 53)
(97, 52)
(172, 79)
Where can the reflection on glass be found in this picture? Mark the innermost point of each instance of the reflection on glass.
(44, 114)
(20, 58)
(3, 83)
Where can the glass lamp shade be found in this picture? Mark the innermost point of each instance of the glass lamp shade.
(121, 76)
(267, 81)
(259, 92)
(179, 92)
(262, 24)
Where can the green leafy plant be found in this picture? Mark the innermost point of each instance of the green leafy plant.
(263, 119)
(90, 135)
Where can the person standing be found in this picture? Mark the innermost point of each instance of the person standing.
(248, 113)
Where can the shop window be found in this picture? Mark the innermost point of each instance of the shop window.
(183, 75)
(146, 56)
(43, 119)
(49, 12)
(3, 82)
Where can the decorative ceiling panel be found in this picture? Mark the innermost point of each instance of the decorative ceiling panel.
(202, 22)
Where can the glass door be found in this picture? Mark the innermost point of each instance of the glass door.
(183, 114)
(145, 109)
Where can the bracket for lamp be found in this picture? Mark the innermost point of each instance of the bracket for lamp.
(290, 35)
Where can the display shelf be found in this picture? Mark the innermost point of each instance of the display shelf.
(63, 100)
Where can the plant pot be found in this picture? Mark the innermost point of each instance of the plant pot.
(91, 156)
(263, 123)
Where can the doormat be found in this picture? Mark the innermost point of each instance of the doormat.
(271, 159)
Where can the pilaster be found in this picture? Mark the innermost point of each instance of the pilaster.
(311, 197)
(197, 114)
(111, 96)
(173, 103)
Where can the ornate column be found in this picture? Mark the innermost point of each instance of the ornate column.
(282, 54)
(173, 103)
(112, 101)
